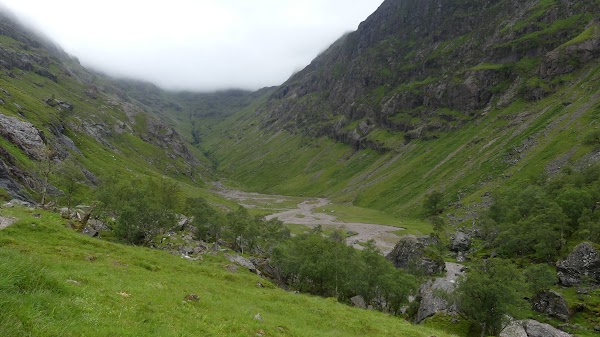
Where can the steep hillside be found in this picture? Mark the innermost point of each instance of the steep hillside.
(52, 111)
(425, 96)
(418, 68)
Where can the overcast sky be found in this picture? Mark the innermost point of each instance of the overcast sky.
(196, 44)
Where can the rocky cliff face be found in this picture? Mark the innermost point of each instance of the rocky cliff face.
(417, 67)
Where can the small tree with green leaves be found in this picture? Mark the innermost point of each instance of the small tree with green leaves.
(433, 204)
(490, 292)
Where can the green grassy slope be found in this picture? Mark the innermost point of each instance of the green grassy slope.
(55, 282)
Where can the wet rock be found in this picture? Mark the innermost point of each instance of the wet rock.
(24, 135)
(553, 304)
(410, 253)
(583, 264)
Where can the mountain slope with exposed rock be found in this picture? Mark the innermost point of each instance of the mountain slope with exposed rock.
(52, 109)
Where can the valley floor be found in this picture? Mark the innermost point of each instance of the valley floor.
(313, 212)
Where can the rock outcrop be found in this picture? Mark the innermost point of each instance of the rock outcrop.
(552, 304)
(24, 135)
(410, 253)
(431, 302)
(582, 265)
(461, 242)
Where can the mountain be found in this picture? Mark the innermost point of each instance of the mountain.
(54, 110)
(470, 119)
(418, 68)
(424, 97)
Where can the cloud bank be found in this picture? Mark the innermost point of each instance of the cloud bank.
(199, 45)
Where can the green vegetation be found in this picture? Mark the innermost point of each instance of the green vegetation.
(539, 220)
(55, 282)
(491, 291)
(328, 267)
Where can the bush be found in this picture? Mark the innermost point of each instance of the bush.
(433, 204)
(326, 267)
(142, 207)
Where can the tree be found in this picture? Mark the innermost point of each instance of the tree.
(433, 203)
(539, 277)
(490, 291)
(207, 221)
(71, 179)
(45, 168)
(142, 207)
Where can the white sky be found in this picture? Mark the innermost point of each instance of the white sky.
(195, 44)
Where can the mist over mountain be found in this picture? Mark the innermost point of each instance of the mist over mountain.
(438, 166)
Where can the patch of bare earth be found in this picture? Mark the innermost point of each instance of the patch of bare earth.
(5, 222)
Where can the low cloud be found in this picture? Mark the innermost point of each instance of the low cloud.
(196, 45)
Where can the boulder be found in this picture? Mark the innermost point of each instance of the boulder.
(88, 230)
(410, 253)
(537, 329)
(553, 304)
(461, 242)
(242, 261)
(24, 135)
(514, 329)
(582, 265)
(531, 328)
(359, 302)
(431, 301)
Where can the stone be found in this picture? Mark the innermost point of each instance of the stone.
(431, 302)
(553, 304)
(531, 328)
(514, 329)
(89, 231)
(461, 242)
(191, 298)
(5, 222)
(537, 329)
(409, 253)
(582, 265)
(242, 261)
(359, 302)
(24, 135)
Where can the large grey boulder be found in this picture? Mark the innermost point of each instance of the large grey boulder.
(410, 253)
(461, 242)
(537, 329)
(24, 135)
(431, 301)
(552, 304)
(583, 264)
(359, 302)
(514, 329)
(531, 328)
